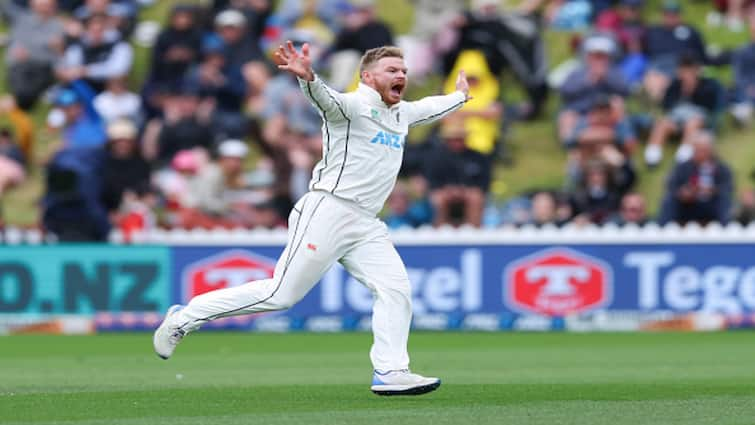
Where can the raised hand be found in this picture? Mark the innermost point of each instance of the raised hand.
(299, 64)
(462, 84)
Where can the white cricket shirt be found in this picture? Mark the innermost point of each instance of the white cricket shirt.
(363, 139)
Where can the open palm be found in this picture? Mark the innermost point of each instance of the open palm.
(299, 64)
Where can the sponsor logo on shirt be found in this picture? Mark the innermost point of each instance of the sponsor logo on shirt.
(395, 141)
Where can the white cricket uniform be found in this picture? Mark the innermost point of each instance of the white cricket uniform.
(363, 144)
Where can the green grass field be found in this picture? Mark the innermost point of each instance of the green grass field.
(323, 379)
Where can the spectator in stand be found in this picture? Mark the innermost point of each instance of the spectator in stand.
(72, 208)
(242, 51)
(121, 14)
(184, 125)
(212, 197)
(597, 196)
(82, 126)
(125, 170)
(601, 129)
(624, 23)
(743, 63)
(602, 136)
(508, 41)
(21, 123)
(690, 104)
(633, 211)
(700, 189)
(172, 182)
(256, 13)
(481, 116)
(362, 30)
(117, 102)
(458, 177)
(432, 35)
(222, 89)
(403, 211)
(35, 44)
(666, 43)
(291, 125)
(97, 57)
(745, 212)
(544, 210)
(177, 48)
(595, 78)
(12, 162)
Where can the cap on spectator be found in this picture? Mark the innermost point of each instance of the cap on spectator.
(185, 161)
(121, 129)
(671, 6)
(66, 97)
(230, 18)
(233, 148)
(599, 44)
(212, 45)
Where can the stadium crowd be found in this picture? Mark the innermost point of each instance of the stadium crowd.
(215, 136)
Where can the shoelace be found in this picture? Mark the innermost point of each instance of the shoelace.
(176, 336)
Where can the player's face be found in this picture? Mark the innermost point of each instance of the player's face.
(388, 77)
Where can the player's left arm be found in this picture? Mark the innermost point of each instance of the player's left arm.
(433, 108)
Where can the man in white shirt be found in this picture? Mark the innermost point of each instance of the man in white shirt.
(363, 141)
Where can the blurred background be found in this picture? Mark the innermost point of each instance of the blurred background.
(618, 130)
(139, 115)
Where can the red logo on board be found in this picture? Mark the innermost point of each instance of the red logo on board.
(224, 270)
(557, 282)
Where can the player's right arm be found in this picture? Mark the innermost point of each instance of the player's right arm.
(330, 103)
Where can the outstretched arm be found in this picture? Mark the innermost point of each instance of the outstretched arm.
(329, 103)
(433, 108)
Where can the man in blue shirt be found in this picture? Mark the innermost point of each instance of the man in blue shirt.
(664, 44)
(83, 127)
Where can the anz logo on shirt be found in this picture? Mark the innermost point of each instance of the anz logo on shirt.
(394, 141)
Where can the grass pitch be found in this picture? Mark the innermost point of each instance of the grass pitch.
(324, 379)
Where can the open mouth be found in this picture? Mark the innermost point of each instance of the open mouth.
(397, 89)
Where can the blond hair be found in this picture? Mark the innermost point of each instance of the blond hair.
(373, 55)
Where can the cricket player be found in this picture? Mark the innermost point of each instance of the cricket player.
(363, 134)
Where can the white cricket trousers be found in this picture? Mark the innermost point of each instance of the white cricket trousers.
(323, 229)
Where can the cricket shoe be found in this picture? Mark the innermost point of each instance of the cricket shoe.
(402, 382)
(169, 334)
